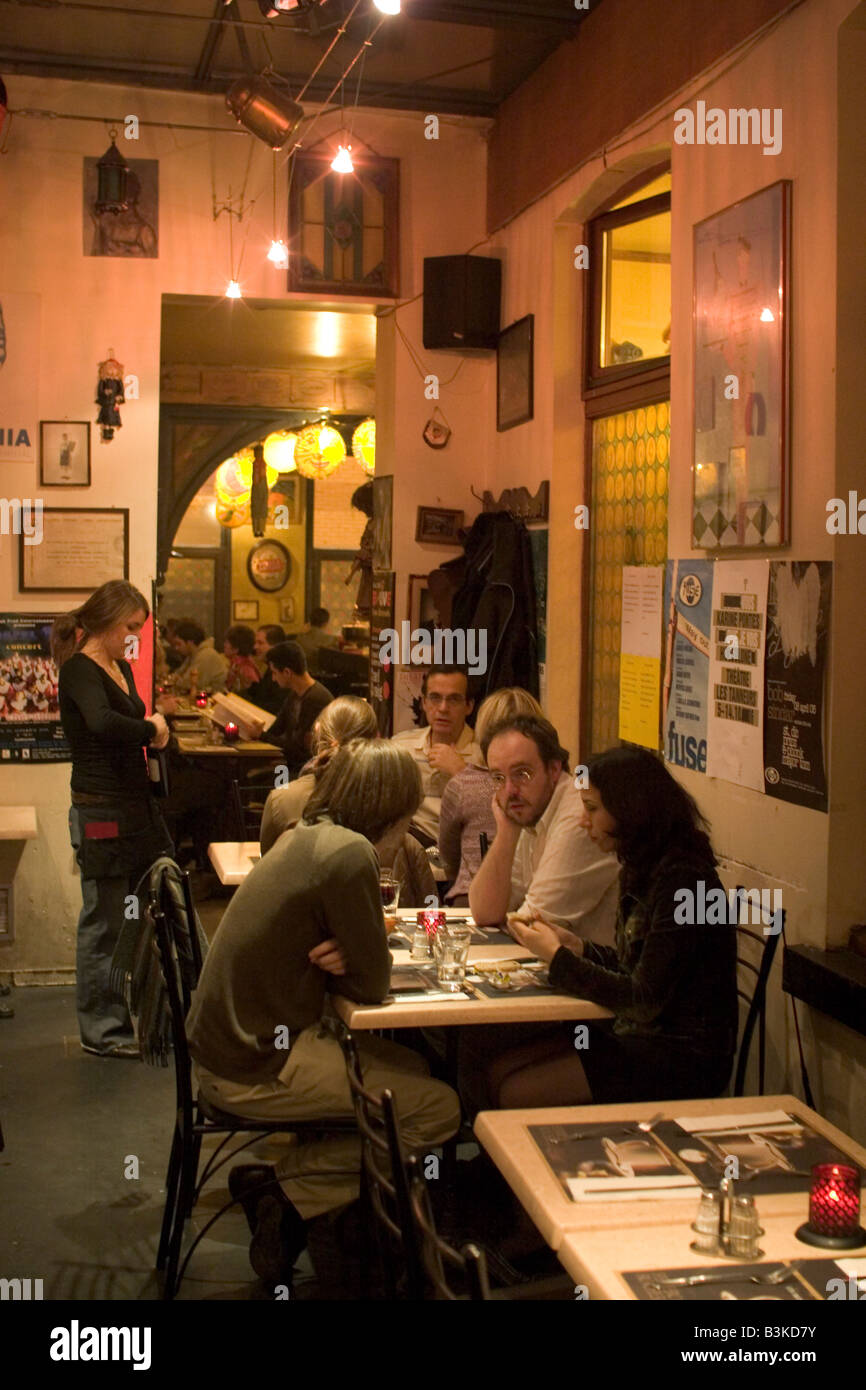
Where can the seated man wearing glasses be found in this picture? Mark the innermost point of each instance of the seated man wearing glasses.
(542, 864)
(445, 747)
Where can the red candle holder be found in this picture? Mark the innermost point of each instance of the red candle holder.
(231, 732)
(834, 1208)
(201, 699)
(431, 920)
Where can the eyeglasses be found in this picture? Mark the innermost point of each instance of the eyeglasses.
(452, 701)
(521, 778)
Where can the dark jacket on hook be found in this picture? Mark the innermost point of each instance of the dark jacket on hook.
(497, 592)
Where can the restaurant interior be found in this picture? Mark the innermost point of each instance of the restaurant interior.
(306, 303)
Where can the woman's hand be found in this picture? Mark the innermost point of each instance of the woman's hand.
(163, 733)
(542, 938)
(328, 956)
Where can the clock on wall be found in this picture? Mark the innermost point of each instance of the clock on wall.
(269, 565)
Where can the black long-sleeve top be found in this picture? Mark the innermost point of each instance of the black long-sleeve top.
(106, 729)
(292, 728)
(667, 977)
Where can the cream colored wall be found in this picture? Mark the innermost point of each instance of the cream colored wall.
(761, 841)
(90, 305)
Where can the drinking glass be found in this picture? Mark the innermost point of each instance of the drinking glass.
(389, 891)
(451, 948)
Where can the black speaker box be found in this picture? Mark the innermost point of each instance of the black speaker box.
(461, 301)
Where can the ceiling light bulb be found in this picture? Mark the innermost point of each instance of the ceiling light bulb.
(233, 290)
(342, 161)
(388, 6)
(279, 255)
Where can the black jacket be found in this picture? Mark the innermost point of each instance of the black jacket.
(497, 592)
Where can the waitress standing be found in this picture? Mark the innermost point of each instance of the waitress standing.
(115, 826)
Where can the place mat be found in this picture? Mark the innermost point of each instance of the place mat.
(520, 988)
(418, 984)
(808, 1283)
(617, 1160)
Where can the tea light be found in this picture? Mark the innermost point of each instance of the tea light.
(201, 699)
(231, 732)
(834, 1208)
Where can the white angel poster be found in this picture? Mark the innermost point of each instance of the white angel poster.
(798, 624)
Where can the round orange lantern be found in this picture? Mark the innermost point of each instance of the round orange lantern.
(280, 451)
(319, 451)
(233, 514)
(364, 445)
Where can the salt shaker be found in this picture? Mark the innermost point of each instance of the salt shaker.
(707, 1223)
(744, 1230)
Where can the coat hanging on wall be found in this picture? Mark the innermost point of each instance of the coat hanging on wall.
(109, 394)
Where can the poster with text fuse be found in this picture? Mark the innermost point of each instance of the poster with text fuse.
(735, 715)
(688, 615)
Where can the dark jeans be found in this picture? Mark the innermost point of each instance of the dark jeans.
(103, 1017)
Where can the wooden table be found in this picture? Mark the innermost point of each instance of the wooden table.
(194, 747)
(233, 859)
(632, 1228)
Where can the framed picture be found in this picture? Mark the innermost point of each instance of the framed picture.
(344, 228)
(422, 610)
(132, 233)
(740, 477)
(245, 610)
(514, 380)
(269, 565)
(438, 526)
(73, 549)
(64, 453)
(287, 610)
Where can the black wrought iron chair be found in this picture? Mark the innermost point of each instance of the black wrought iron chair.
(175, 934)
(248, 804)
(384, 1171)
(763, 953)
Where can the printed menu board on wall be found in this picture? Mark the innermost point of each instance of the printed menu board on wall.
(30, 729)
(381, 675)
(798, 621)
(735, 722)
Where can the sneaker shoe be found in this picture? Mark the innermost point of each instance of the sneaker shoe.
(127, 1051)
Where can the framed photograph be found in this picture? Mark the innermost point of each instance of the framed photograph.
(287, 610)
(514, 380)
(344, 228)
(741, 475)
(64, 453)
(438, 526)
(422, 609)
(245, 610)
(269, 565)
(73, 549)
(133, 233)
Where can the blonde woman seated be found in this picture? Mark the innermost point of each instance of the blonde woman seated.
(343, 719)
(466, 811)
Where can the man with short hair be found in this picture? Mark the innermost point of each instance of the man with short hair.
(199, 654)
(542, 863)
(292, 730)
(265, 692)
(315, 638)
(445, 747)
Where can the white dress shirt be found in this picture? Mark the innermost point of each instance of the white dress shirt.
(434, 781)
(560, 875)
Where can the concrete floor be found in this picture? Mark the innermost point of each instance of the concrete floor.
(71, 1121)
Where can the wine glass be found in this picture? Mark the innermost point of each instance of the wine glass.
(389, 891)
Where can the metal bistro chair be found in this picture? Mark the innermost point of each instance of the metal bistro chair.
(384, 1173)
(248, 804)
(469, 1263)
(180, 961)
(756, 1005)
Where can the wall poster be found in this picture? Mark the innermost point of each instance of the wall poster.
(20, 326)
(688, 610)
(735, 736)
(640, 655)
(30, 729)
(798, 621)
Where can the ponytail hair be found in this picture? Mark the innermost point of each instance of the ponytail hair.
(108, 605)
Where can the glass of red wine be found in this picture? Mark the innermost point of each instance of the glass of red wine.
(389, 890)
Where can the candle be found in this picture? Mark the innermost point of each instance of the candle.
(834, 1207)
(231, 732)
(201, 699)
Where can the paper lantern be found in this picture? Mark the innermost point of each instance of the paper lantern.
(234, 477)
(319, 451)
(233, 514)
(364, 445)
(280, 451)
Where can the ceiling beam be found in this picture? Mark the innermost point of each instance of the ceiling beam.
(557, 18)
(212, 42)
(453, 101)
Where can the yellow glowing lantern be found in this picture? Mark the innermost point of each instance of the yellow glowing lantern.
(231, 514)
(319, 451)
(364, 445)
(280, 451)
(234, 478)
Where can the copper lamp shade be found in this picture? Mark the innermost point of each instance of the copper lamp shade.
(264, 110)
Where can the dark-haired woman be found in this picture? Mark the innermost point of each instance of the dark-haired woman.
(670, 980)
(115, 827)
(238, 646)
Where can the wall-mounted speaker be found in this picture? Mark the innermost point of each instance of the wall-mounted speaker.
(461, 301)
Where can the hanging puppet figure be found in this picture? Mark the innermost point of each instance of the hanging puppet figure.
(109, 394)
